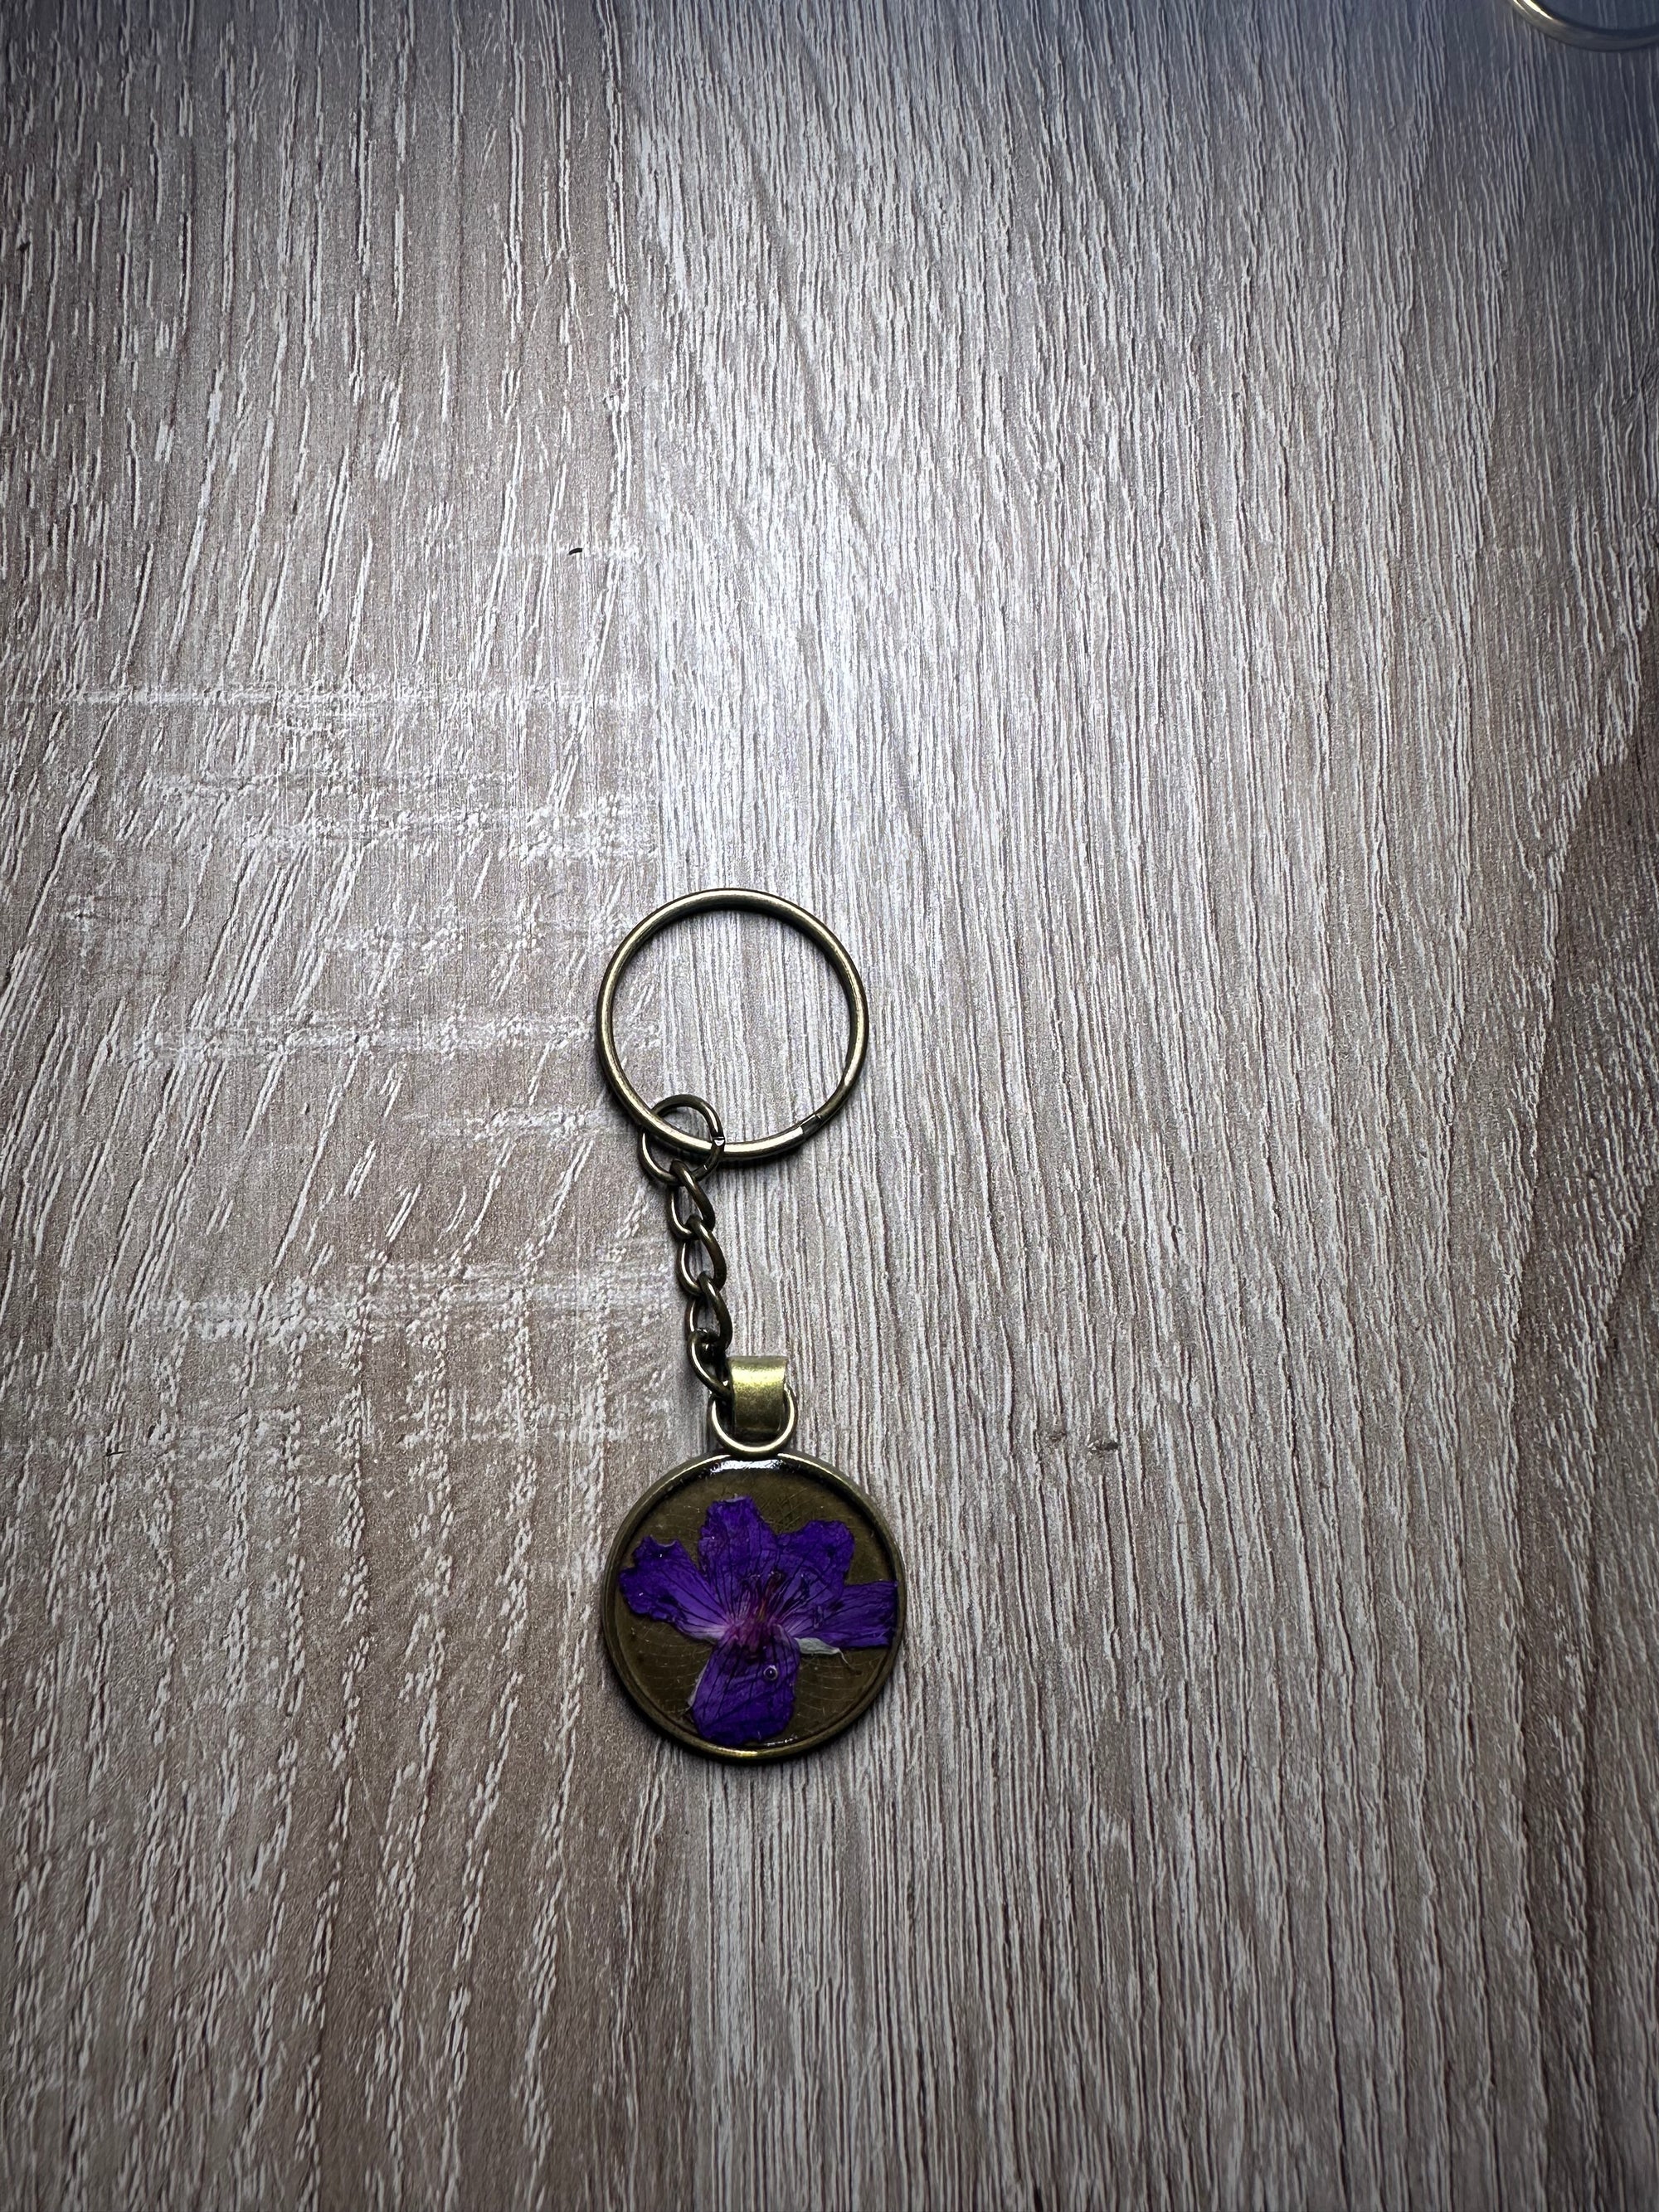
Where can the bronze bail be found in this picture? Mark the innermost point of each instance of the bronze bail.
(762, 1418)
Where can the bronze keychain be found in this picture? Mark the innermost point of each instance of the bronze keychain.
(753, 1601)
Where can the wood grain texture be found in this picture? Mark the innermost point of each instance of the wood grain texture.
(1145, 519)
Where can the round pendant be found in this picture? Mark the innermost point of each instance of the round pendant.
(753, 1607)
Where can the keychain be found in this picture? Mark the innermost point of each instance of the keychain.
(754, 1599)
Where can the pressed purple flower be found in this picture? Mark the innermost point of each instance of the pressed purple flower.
(761, 1600)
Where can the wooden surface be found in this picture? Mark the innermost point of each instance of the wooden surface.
(1143, 516)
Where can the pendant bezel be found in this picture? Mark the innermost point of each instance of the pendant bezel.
(745, 1472)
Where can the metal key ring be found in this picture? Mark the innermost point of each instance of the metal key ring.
(749, 1151)
(1573, 33)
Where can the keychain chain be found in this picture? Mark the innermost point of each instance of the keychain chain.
(700, 1261)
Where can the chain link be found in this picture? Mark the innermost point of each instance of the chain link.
(699, 1262)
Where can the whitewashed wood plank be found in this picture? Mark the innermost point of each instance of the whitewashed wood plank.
(1152, 525)
(1145, 520)
(316, 516)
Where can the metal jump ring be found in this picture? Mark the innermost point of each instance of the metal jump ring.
(648, 1120)
(1568, 28)
(708, 1151)
(736, 1445)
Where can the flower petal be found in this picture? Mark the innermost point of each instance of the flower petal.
(738, 1553)
(812, 1564)
(745, 1694)
(663, 1584)
(865, 1614)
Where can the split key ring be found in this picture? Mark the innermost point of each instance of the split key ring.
(745, 1152)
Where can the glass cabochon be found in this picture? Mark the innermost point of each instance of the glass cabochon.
(753, 1608)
